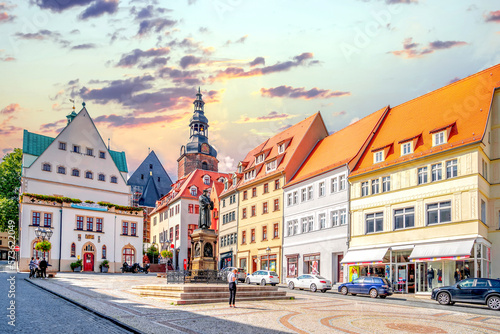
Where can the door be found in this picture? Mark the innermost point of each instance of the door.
(463, 290)
(254, 264)
(88, 262)
(340, 268)
(401, 278)
(479, 290)
(356, 285)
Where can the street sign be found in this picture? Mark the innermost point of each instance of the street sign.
(16, 248)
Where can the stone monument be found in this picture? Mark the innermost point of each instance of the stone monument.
(204, 239)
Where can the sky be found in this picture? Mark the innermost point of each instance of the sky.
(262, 65)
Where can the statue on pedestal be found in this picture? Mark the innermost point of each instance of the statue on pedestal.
(205, 206)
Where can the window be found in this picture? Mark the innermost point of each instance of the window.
(250, 175)
(295, 197)
(422, 175)
(271, 166)
(103, 251)
(47, 220)
(193, 191)
(252, 235)
(281, 148)
(259, 159)
(264, 232)
(303, 194)
(176, 232)
(406, 148)
(114, 179)
(76, 148)
(310, 221)
(150, 166)
(266, 188)
(62, 146)
(290, 228)
(61, 170)
(386, 184)
(439, 138)
(276, 184)
(322, 220)
(190, 208)
(133, 229)
(206, 179)
(254, 192)
(102, 177)
(102, 155)
(75, 172)
(98, 224)
(35, 220)
(436, 172)
(364, 188)
(439, 213)
(125, 228)
(90, 152)
(79, 222)
(335, 218)
(404, 218)
(275, 228)
(243, 237)
(289, 199)
(90, 223)
(321, 189)
(309, 193)
(483, 211)
(73, 250)
(375, 186)
(245, 195)
(129, 255)
(342, 184)
(295, 226)
(304, 225)
(334, 185)
(253, 211)
(374, 222)
(484, 172)
(46, 167)
(89, 175)
(451, 169)
(276, 204)
(343, 217)
(244, 213)
(196, 209)
(378, 156)
(171, 234)
(264, 207)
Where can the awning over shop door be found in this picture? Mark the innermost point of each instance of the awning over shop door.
(365, 256)
(448, 250)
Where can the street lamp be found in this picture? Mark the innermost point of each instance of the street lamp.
(43, 233)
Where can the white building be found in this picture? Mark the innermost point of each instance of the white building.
(60, 172)
(316, 205)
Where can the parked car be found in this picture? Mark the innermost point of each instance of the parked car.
(263, 277)
(472, 291)
(311, 282)
(366, 285)
(241, 275)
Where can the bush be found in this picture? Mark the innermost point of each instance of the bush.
(44, 246)
(76, 264)
(104, 263)
(166, 253)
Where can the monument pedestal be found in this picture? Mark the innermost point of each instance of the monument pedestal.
(203, 249)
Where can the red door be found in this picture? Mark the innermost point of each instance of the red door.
(88, 262)
(254, 264)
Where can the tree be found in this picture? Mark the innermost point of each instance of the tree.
(10, 183)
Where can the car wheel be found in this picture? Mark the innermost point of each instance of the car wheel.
(373, 293)
(344, 290)
(123, 271)
(353, 294)
(383, 297)
(314, 288)
(273, 284)
(443, 298)
(323, 290)
(263, 282)
(247, 280)
(494, 303)
(291, 286)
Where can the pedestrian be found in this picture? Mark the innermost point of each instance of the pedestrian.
(231, 278)
(32, 267)
(37, 267)
(43, 268)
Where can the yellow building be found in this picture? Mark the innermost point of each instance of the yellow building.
(261, 176)
(424, 195)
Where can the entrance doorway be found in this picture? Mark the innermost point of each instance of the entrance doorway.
(88, 262)
(404, 277)
(254, 264)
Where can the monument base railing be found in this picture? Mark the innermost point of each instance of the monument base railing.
(196, 276)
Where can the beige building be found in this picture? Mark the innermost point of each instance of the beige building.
(228, 227)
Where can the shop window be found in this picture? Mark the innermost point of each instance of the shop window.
(73, 250)
(243, 264)
(451, 169)
(312, 264)
(291, 266)
(375, 222)
(404, 218)
(386, 184)
(439, 213)
(422, 175)
(436, 172)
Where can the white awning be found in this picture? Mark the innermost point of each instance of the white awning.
(365, 256)
(448, 250)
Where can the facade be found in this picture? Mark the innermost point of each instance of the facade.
(77, 165)
(262, 175)
(424, 202)
(228, 227)
(316, 204)
(4, 246)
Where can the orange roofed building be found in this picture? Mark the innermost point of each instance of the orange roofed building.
(425, 192)
(261, 176)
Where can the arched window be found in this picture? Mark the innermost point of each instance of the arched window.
(89, 248)
(102, 177)
(206, 179)
(46, 167)
(89, 175)
(194, 191)
(104, 251)
(61, 170)
(73, 249)
(195, 129)
(114, 179)
(75, 172)
(129, 255)
(38, 253)
(204, 165)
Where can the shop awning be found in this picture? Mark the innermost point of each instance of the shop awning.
(365, 256)
(448, 250)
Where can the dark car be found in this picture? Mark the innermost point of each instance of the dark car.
(373, 286)
(470, 290)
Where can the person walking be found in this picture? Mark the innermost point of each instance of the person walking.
(32, 267)
(43, 268)
(37, 267)
(231, 278)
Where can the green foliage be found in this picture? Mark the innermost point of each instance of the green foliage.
(53, 198)
(10, 182)
(76, 264)
(44, 246)
(90, 202)
(152, 251)
(104, 263)
(120, 207)
(166, 253)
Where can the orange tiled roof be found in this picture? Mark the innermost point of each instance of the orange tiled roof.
(231, 187)
(338, 148)
(462, 108)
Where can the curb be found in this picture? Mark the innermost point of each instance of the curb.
(88, 309)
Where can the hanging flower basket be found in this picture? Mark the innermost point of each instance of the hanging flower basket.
(43, 246)
(166, 254)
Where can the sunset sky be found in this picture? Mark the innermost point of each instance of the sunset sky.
(261, 65)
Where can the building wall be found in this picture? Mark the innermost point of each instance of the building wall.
(228, 228)
(192, 161)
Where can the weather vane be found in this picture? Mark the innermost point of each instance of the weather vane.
(72, 101)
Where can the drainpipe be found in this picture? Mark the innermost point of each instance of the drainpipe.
(114, 245)
(60, 236)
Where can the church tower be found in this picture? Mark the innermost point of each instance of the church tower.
(197, 153)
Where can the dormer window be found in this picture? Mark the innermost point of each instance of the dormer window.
(281, 148)
(406, 148)
(271, 166)
(250, 175)
(439, 138)
(194, 191)
(378, 156)
(442, 134)
(259, 159)
(206, 179)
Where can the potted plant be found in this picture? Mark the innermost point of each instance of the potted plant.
(166, 254)
(43, 246)
(76, 266)
(104, 266)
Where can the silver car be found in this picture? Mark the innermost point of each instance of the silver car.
(311, 282)
(241, 275)
(263, 277)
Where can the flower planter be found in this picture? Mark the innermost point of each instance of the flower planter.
(104, 269)
(77, 269)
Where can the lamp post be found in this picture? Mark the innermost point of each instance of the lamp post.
(44, 234)
(268, 251)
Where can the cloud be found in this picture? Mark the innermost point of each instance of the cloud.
(157, 25)
(238, 72)
(301, 93)
(413, 50)
(147, 12)
(10, 109)
(493, 17)
(117, 90)
(7, 59)
(257, 61)
(455, 79)
(54, 126)
(6, 128)
(189, 78)
(99, 8)
(59, 6)
(191, 46)
(189, 60)
(339, 113)
(43, 35)
(84, 46)
(272, 116)
(74, 32)
(354, 120)
(133, 57)
(240, 40)
(130, 121)
(4, 17)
